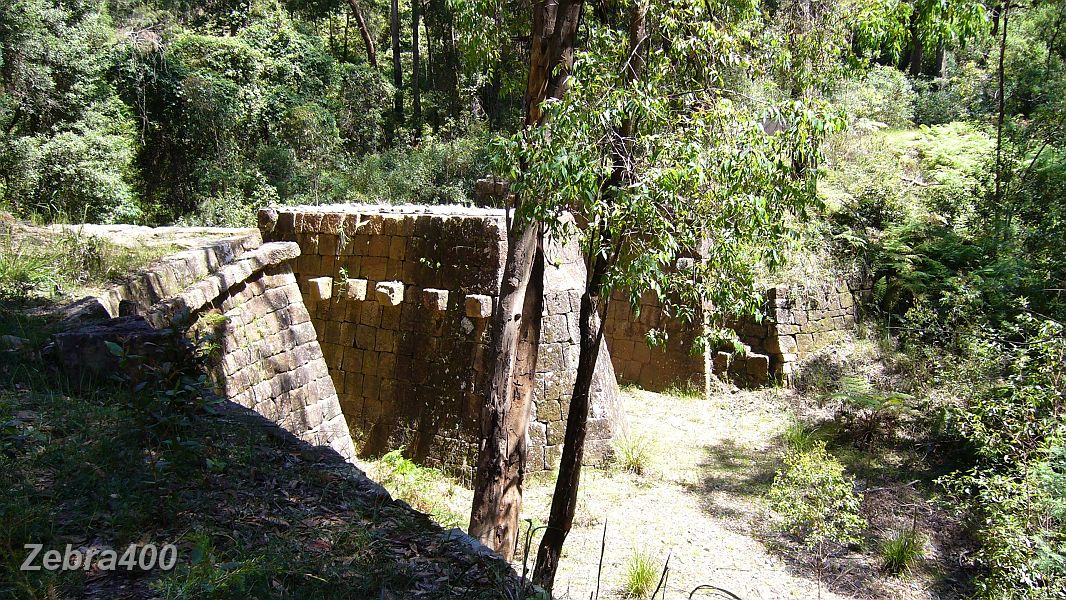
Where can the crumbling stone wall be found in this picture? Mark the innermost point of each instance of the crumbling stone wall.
(797, 322)
(402, 300)
(802, 321)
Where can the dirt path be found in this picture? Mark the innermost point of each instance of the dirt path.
(700, 500)
(710, 461)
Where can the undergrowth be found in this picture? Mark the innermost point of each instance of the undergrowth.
(32, 265)
(253, 513)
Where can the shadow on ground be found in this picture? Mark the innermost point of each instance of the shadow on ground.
(731, 478)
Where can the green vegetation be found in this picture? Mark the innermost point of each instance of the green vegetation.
(65, 263)
(902, 551)
(816, 500)
(252, 514)
(424, 488)
(633, 453)
(919, 143)
(642, 573)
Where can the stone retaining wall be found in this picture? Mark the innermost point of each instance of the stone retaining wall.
(402, 299)
(797, 322)
(246, 299)
(802, 321)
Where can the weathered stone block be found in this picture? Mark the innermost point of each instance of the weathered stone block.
(435, 300)
(390, 318)
(320, 288)
(356, 289)
(781, 344)
(389, 293)
(478, 306)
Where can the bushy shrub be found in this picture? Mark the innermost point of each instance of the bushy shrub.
(1015, 494)
(816, 501)
(435, 172)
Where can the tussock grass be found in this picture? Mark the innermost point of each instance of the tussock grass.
(49, 266)
(633, 454)
(642, 572)
(902, 552)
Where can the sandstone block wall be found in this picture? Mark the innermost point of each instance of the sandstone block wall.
(796, 324)
(635, 361)
(246, 299)
(270, 359)
(801, 322)
(402, 300)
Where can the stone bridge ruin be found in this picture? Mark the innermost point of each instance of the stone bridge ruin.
(367, 328)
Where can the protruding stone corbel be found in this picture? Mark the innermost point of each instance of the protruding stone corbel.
(357, 289)
(435, 300)
(389, 293)
(320, 288)
(478, 306)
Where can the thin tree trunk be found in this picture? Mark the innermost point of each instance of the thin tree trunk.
(347, 24)
(564, 499)
(1002, 106)
(371, 53)
(505, 420)
(941, 62)
(397, 65)
(431, 73)
(416, 57)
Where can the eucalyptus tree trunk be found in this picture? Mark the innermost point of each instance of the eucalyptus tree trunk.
(501, 462)
(416, 58)
(397, 65)
(368, 40)
(604, 251)
(917, 50)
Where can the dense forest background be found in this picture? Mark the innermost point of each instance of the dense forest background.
(947, 184)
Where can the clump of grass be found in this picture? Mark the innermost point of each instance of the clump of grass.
(688, 390)
(800, 437)
(641, 572)
(901, 552)
(23, 270)
(633, 453)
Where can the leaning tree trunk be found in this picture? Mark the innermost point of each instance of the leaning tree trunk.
(564, 499)
(502, 457)
(368, 40)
